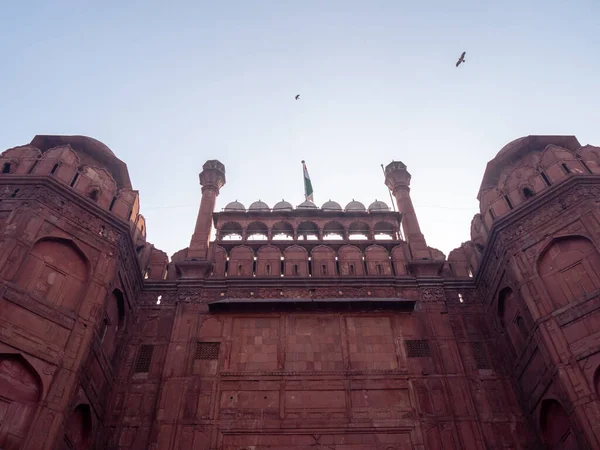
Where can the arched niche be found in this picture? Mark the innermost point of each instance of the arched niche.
(511, 318)
(555, 427)
(378, 261)
(113, 323)
(20, 391)
(399, 260)
(220, 262)
(334, 231)
(323, 261)
(295, 261)
(257, 231)
(282, 231)
(55, 270)
(351, 261)
(230, 231)
(241, 262)
(79, 428)
(359, 231)
(268, 262)
(568, 267)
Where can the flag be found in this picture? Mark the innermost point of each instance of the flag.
(308, 189)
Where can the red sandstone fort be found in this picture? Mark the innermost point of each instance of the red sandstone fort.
(299, 327)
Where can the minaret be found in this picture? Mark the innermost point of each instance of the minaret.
(212, 179)
(397, 179)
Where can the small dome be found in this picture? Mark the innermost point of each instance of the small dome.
(331, 206)
(259, 206)
(307, 205)
(378, 206)
(355, 206)
(235, 206)
(283, 206)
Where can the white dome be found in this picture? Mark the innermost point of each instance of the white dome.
(331, 206)
(307, 205)
(378, 206)
(283, 206)
(235, 206)
(355, 206)
(259, 206)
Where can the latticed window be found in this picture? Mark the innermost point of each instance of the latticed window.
(482, 360)
(418, 348)
(144, 359)
(207, 350)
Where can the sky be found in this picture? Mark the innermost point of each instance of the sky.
(169, 85)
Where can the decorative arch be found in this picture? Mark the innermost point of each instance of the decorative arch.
(231, 231)
(323, 261)
(399, 260)
(334, 230)
(378, 261)
(56, 270)
(295, 261)
(359, 230)
(220, 262)
(568, 267)
(241, 262)
(79, 428)
(268, 261)
(308, 231)
(60, 162)
(351, 261)
(20, 392)
(384, 230)
(555, 426)
(282, 231)
(257, 231)
(21, 159)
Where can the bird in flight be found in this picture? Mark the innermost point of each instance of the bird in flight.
(297, 97)
(461, 59)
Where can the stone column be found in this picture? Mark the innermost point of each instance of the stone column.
(212, 179)
(397, 179)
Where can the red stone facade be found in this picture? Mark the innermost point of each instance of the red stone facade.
(299, 328)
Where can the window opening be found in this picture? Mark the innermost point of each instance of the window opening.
(565, 168)
(508, 202)
(460, 298)
(545, 178)
(6, 168)
(528, 193)
(75, 179)
(54, 169)
(144, 359)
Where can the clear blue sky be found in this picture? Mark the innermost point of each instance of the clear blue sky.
(168, 85)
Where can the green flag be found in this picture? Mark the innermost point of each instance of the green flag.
(308, 189)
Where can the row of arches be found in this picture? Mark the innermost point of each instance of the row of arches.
(307, 230)
(295, 261)
(20, 393)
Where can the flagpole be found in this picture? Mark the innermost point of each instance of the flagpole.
(389, 191)
(303, 183)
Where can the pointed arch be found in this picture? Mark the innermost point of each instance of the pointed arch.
(79, 428)
(334, 230)
(351, 261)
(556, 427)
(378, 261)
(569, 267)
(57, 270)
(399, 260)
(20, 392)
(323, 261)
(282, 231)
(295, 261)
(268, 261)
(220, 262)
(230, 231)
(241, 262)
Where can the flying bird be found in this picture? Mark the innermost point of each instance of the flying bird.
(297, 97)
(461, 59)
